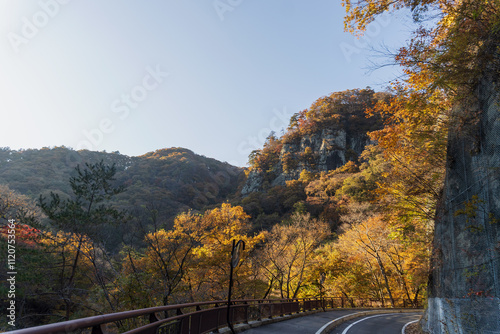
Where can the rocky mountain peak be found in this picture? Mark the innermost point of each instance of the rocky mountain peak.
(324, 137)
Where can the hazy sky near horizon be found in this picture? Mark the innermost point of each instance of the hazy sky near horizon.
(212, 76)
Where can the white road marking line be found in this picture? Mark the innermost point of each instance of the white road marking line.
(320, 331)
(404, 327)
(354, 323)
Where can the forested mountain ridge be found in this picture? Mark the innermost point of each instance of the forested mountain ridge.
(169, 180)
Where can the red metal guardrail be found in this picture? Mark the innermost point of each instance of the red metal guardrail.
(203, 317)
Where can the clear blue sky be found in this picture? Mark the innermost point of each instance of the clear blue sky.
(212, 76)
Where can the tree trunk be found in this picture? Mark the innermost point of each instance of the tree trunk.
(382, 270)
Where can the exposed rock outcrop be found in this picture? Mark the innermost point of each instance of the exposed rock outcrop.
(322, 151)
(324, 137)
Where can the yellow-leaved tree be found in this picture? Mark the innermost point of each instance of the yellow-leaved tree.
(208, 278)
(191, 261)
(288, 259)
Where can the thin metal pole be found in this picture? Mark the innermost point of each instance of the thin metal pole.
(229, 293)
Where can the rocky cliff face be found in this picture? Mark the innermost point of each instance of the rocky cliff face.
(321, 151)
(464, 286)
(321, 138)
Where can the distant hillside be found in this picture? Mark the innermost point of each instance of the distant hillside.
(166, 182)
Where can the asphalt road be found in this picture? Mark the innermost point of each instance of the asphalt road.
(391, 323)
(303, 325)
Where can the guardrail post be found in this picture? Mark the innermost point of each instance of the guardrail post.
(97, 329)
(217, 324)
(246, 312)
(153, 317)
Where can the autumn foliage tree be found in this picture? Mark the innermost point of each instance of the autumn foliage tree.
(343, 109)
(13, 205)
(209, 277)
(369, 260)
(289, 254)
(191, 261)
(267, 158)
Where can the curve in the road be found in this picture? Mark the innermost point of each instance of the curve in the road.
(363, 319)
(310, 323)
(389, 323)
(328, 327)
